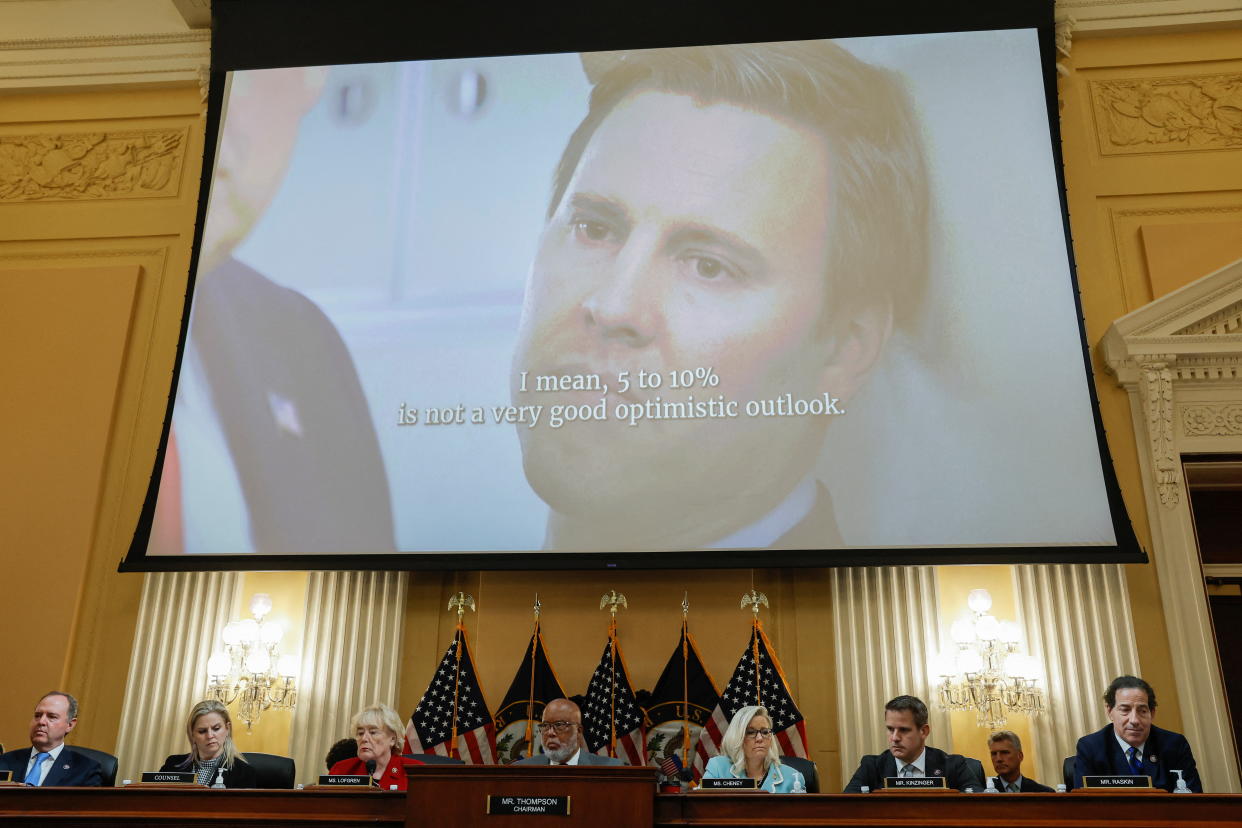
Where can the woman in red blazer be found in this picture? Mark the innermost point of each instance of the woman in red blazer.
(379, 734)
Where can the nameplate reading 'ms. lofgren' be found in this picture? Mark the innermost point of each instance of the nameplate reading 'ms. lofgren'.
(915, 782)
(349, 780)
(1121, 781)
(543, 805)
(170, 777)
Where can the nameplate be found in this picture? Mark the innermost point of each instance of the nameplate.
(729, 784)
(351, 780)
(541, 805)
(1122, 781)
(6, 776)
(921, 783)
(170, 777)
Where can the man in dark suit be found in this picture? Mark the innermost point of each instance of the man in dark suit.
(561, 732)
(1131, 744)
(905, 718)
(1006, 750)
(49, 761)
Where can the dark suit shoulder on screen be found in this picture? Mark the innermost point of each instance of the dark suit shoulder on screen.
(1099, 754)
(292, 410)
(241, 775)
(960, 772)
(71, 770)
(584, 758)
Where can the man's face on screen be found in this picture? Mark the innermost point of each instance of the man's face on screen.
(691, 238)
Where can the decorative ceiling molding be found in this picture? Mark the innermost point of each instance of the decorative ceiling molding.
(1093, 18)
(104, 60)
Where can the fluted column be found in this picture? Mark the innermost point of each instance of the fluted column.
(350, 658)
(178, 620)
(886, 623)
(1076, 621)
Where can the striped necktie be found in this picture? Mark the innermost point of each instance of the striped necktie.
(1136, 763)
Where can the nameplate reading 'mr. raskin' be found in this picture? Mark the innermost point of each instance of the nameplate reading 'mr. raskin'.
(728, 784)
(1121, 781)
(916, 782)
(350, 779)
(170, 777)
(544, 805)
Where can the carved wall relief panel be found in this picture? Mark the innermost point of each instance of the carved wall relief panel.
(1168, 114)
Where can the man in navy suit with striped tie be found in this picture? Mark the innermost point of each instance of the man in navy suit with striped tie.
(1131, 744)
(49, 762)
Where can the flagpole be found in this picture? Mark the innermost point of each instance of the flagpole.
(754, 599)
(685, 680)
(458, 602)
(530, 699)
(612, 599)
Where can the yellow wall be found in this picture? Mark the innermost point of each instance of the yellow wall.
(91, 280)
(92, 284)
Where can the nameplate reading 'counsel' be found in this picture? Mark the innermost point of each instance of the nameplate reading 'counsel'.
(170, 778)
(728, 785)
(1122, 781)
(915, 783)
(544, 805)
(347, 779)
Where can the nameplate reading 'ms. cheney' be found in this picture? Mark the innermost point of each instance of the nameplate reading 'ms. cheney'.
(170, 777)
(543, 805)
(915, 782)
(349, 779)
(744, 784)
(1122, 781)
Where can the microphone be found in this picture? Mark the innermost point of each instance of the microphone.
(370, 763)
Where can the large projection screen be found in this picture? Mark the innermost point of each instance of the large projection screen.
(788, 303)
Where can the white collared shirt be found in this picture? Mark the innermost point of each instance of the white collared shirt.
(768, 529)
(573, 760)
(1125, 748)
(920, 764)
(47, 763)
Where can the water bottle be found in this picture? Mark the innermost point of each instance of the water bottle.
(1182, 787)
(991, 788)
(219, 783)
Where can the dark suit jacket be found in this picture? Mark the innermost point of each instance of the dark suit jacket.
(1027, 786)
(323, 490)
(585, 757)
(1099, 754)
(70, 770)
(241, 775)
(958, 770)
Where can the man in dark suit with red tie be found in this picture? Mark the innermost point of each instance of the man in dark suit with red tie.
(1132, 745)
(49, 762)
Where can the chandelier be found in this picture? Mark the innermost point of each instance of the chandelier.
(251, 671)
(987, 674)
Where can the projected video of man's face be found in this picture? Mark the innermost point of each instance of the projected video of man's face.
(690, 238)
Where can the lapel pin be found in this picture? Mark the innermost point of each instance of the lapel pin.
(1152, 758)
(64, 767)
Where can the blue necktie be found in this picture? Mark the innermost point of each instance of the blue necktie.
(32, 778)
(1136, 766)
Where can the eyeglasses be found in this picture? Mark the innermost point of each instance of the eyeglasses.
(761, 733)
(559, 727)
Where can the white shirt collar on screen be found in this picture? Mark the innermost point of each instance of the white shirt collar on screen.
(767, 529)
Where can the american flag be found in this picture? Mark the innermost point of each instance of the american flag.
(612, 720)
(451, 708)
(758, 679)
